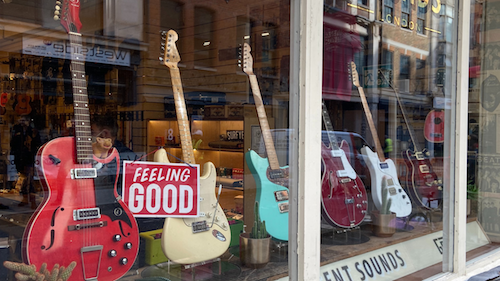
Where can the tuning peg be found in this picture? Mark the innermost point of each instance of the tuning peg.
(58, 2)
(58, 8)
(57, 13)
(160, 58)
(56, 17)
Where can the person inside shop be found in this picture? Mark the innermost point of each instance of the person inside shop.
(105, 131)
(24, 145)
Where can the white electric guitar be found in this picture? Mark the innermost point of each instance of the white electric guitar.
(381, 168)
(191, 240)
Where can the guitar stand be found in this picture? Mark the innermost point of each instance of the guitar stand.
(213, 269)
(429, 215)
(194, 265)
(344, 236)
(282, 247)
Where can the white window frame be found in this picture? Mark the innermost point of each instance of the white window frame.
(305, 77)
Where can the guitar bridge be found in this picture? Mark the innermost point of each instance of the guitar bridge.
(199, 226)
(84, 173)
(283, 207)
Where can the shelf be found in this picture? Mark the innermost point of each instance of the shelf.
(239, 150)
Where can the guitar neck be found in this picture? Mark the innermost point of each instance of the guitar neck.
(410, 129)
(182, 119)
(371, 124)
(264, 125)
(83, 137)
(329, 128)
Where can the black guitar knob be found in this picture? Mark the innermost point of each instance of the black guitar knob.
(123, 261)
(112, 253)
(128, 246)
(117, 238)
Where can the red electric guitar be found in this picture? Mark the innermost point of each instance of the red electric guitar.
(423, 184)
(81, 217)
(343, 195)
(434, 126)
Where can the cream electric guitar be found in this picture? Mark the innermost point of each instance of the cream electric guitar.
(191, 240)
(381, 169)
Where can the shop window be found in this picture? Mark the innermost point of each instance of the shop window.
(100, 97)
(483, 122)
(204, 40)
(405, 14)
(404, 67)
(421, 19)
(388, 11)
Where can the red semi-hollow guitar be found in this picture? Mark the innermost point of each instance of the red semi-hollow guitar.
(81, 218)
(343, 195)
(423, 184)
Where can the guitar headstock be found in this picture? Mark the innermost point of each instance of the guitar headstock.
(170, 55)
(68, 11)
(354, 74)
(247, 59)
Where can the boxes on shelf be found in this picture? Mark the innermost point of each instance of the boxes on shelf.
(236, 227)
(237, 173)
(238, 204)
(153, 253)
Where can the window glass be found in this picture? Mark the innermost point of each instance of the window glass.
(405, 13)
(146, 140)
(483, 200)
(386, 141)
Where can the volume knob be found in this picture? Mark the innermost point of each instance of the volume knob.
(123, 261)
(117, 237)
(112, 253)
(128, 246)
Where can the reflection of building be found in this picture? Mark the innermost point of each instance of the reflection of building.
(412, 43)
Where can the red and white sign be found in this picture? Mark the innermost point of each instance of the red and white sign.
(153, 189)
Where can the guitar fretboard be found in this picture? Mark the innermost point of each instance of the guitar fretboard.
(264, 125)
(83, 136)
(182, 119)
(410, 129)
(371, 124)
(329, 128)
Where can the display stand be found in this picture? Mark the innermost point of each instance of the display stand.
(219, 270)
(280, 251)
(426, 215)
(344, 236)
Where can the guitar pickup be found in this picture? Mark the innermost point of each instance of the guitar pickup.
(84, 173)
(283, 207)
(392, 191)
(86, 214)
(419, 156)
(276, 174)
(424, 169)
(281, 195)
(345, 180)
